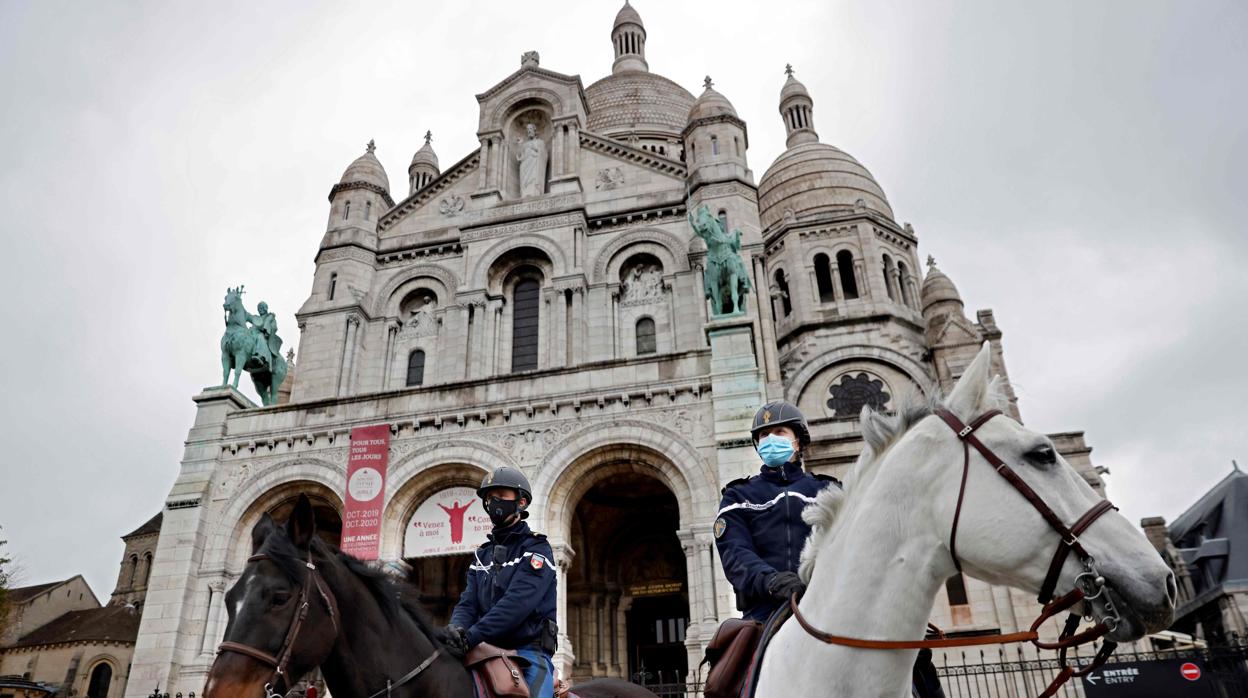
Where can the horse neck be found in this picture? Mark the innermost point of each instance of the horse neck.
(235, 316)
(372, 647)
(876, 578)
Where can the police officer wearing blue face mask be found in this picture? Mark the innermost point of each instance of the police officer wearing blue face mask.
(510, 598)
(759, 531)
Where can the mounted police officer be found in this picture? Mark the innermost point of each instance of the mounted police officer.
(759, 531)
(510, 598)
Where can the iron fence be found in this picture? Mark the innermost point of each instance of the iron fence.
(1015, 672)
(1019, 673)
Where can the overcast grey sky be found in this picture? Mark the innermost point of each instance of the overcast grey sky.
(1080, 167)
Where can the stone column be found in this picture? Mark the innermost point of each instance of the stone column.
(565, 655)
(212, 624)
(577, 351)
(837, 289)
(556, 152)
(483, 172)
(346, 371)
(703, 342)
(500, 343)
(767, 326)
(571, 146)
(392, 329)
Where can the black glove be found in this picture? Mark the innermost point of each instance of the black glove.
(782, 585)
(456, 640)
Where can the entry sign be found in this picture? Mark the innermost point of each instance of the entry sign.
(366, 487)
(1163, 678)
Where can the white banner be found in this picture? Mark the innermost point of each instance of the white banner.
(451, 521)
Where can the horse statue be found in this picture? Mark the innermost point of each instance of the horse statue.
(250, 349)
(921, 504)
(727, 280)
(301, 603)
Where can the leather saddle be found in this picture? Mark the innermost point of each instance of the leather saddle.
(499, 672)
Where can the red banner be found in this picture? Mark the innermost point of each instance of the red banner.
(366, 487)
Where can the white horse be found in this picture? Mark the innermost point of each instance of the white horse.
(880, 551)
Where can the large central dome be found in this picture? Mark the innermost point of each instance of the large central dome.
(815, 178)
(638, 101)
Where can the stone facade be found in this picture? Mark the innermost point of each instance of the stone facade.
(567, 334)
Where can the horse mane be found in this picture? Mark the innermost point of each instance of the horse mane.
(397, 598)
(880, 432)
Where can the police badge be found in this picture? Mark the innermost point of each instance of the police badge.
(720, 526)
(537, 562)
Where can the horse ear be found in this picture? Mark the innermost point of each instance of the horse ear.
(968, 395)
(302, 524)
(260, 532)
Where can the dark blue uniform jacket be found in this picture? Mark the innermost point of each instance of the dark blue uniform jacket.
(510, 592)
(760, 531)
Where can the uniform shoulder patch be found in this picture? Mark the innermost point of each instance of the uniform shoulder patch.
(721, 525)
(537, 562)
(734, 483)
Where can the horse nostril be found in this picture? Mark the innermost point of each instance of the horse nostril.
(1172, 590)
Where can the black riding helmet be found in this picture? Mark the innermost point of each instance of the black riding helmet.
(511, 478)
(781, 413)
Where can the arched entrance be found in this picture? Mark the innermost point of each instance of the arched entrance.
(628, 605)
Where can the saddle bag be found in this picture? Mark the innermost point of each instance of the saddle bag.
(499, 669)
(729, 654)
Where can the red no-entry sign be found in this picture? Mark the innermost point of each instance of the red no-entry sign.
(1190, 671)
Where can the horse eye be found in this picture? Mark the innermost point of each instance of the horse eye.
(280, 598)
(1042, 455)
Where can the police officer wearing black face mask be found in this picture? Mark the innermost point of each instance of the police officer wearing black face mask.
(511, 596)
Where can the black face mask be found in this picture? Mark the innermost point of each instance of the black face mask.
(501, 510)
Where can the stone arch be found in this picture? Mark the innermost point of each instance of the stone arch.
(420, 473)
(114, 668)
(889, 357)
(663, 245)
(387, 303)
(654, 450)
(409, 495)
(533, 94)
(266, 489)
(479, 277)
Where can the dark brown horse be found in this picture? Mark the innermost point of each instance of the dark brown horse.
(300, 604)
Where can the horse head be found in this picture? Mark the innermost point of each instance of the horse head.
(1002, 537)
(233, 299)
(282, 617)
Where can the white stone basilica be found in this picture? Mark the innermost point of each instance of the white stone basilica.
(540, 303)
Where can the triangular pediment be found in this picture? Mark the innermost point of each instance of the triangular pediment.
(629, 157)
(455, 182)
(957, 330)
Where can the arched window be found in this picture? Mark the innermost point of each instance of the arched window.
(346, 210)
(368, 210)
(101, 677)
(888, 277)
(902, 277)
(147, 567)
(845, 266)
(823, 278)
(333, 284)
(416, 368)
(714, 145)
(524, 319)
(645, 336)
(786, 305)
(134, 570)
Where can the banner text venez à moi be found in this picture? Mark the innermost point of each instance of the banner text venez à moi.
(366, 482)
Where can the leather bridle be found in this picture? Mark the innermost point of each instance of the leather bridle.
(281, 661)
(1089, 584)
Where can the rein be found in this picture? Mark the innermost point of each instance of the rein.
(1089, 584)
(282, 660)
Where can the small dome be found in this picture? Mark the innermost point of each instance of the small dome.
(627, 15)
(425, 156)
(711, 103)
(367, 168)
(635, 100)
(814, 178)
(792, 87)
(938, 288)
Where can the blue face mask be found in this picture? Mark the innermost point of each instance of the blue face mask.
(775, 450)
